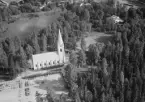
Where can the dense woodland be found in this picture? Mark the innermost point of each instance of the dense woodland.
(25, 6)
(117, 72)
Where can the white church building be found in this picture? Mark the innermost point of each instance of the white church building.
(49, 59)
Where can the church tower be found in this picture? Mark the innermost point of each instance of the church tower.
(60, 48)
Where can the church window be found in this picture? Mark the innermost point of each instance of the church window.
(41, 65)
(27, 92)
(60, 50)
(53, 62)
(45, 64)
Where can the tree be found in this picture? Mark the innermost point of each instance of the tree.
(85, 15)
(65, 31)
(83, 44)
(89, 96)
(122, 77)
(37, 95)
(43, 42)
(126, 50)
(99, 14)
(72, 43)
(77, 97)
(17, 43)
(34, 43)
(73, 58)
(132, 13)
(94, 53)
(29, 51)
(104, 66)
(82, 26)
(81, 58)
(22, 58)
(108, 50)
(3, 58)
(49, 96)
(26, 8)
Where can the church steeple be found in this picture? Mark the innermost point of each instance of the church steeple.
(60, 41)
(60, 48)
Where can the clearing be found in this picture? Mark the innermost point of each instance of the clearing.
(94, 37)
(52, 82)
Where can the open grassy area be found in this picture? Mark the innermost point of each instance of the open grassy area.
(94, 37)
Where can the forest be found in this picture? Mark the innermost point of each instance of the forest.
(25, 6)
(117, 72)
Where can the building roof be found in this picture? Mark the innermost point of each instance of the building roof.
(45, 56)
(115, 18)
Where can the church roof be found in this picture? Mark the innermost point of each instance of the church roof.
(45, 56)
(60, 41)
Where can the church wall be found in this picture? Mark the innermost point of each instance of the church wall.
(44, 60)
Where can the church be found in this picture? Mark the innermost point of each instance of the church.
(50, 59)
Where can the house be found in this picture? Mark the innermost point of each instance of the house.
(114, 19)
(49, 59)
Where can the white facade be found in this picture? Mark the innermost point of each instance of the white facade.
(44, 60)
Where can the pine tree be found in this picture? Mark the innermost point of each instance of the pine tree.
(65, 34)
(77, 97)
(104, 66)
(35, 43)
(22, 58)
(17, 43)
(3, 57)
(83, 44)
(81, 58)
(73, 58)
(29, 51)
(43, 42)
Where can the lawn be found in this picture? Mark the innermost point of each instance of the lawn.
(54, 83)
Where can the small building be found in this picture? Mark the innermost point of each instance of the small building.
(114, 19)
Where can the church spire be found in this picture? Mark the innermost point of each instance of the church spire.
(60, 41)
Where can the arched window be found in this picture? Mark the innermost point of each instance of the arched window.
(36, 65)
(45, 64)
(27, 92)
(60, 50)
(57, 61)
(53, 62)
(41, 65)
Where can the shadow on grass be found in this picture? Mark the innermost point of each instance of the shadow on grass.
(56, 85)
(104, 39)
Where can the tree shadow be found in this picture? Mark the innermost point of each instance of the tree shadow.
(104, 39)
